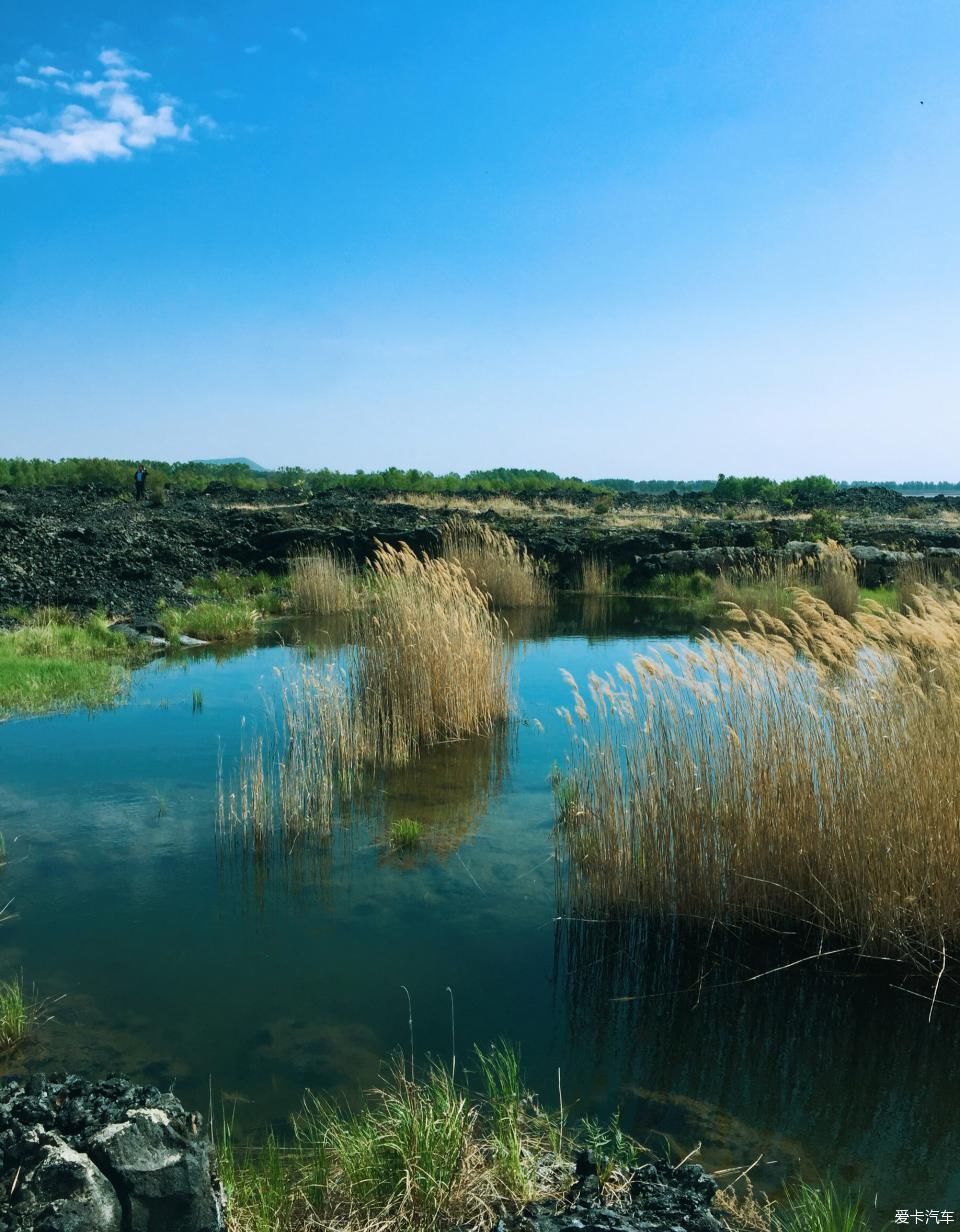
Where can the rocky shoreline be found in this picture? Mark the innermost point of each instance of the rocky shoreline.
(115, 1156)
(82, 549)
(108, 1156)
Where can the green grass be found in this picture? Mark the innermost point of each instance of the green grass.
(418, 1156)
(808, 1208)
(52, 661)
(18, 1015)
(405, 834)
(886, 596)
(211, 620)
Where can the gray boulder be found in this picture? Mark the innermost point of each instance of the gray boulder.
(66, 1192)
(162, 1175)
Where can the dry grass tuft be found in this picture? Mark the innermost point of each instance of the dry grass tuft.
(324, 582)
(738, 780)
(498, 565)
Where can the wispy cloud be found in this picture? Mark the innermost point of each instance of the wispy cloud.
(113, 123)
(252, 49)
(300, 35)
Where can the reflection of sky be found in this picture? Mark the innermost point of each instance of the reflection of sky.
(177, 967)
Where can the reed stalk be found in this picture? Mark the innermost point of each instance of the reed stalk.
(740, 779)
(498, 565)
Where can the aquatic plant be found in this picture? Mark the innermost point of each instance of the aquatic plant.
(323, 581)
(197, 700)
(18, 1015)
(428, 663)
(498, 565)
(736, 779)
(597, 576)
(405, 833)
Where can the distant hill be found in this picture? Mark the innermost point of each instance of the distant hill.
(254, 466)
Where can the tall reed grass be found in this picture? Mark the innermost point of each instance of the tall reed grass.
(427, 663)
(770, 586)
(738, 780)
(597, 576)
(324, 582)
(498, 565)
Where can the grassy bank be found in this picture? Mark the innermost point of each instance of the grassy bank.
(53, 661)
(431, 1154)
(740, 781)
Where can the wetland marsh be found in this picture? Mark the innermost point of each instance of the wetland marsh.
(187, 960)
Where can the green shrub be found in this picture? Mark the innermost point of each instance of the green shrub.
(762, 539)
(824, 525)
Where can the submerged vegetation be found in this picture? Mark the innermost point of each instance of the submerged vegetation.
(738, 781)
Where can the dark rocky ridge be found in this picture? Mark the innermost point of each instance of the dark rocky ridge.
(82, 549)
(109, 1156)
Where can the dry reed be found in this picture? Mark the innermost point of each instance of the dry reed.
(323, 582)
(498, 565)
(427, 664)
(735, 779)
(596, 576)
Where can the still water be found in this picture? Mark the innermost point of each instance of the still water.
(182, 965)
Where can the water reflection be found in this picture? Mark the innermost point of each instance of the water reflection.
(773, 1039)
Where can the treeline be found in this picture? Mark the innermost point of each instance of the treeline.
(653, 485)
(735, 490)
(116, 475)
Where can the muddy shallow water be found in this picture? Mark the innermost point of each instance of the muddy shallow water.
(184, 965)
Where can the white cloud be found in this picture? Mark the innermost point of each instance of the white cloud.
(31, 82)
(299, 34)
(252, 49)
(114, 123)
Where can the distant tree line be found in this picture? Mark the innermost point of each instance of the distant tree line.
(910, 485)
(116, 475)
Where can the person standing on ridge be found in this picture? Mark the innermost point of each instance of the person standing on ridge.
(140, 480)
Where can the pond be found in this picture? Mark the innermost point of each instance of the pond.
(181, 964)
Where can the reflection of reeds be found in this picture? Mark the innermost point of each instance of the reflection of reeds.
(427, 665)
(733, 780)
(500, 567)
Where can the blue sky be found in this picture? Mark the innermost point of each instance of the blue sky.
(606, 237)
